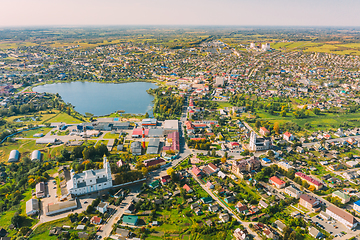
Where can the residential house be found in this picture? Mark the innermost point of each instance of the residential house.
(263, 131)
(187, 188)
(224, 217)
(241, 208)
(230, 199)
(314, 232)
(263, 204)
(130, 220)
(96, 220)
(165, 179)
(280, 225)
(240, 234)
(209, 185)
(277, 182)
(221, 175)
(288, 136)
(206, 200)
(122, 233)
(196, 171)
(154, 184)
(102, 207)
(214, 208)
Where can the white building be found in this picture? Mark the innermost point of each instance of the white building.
(36, 155)
(90, 180)
(102, 207)
(258, 144)
(265, 47)
(14, 156)
(32, 207)
(344, 217)
(252, 45)
(219, 81)
(293, 192)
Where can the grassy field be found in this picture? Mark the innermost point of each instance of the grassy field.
(63, 117)
(30, 133)
(25, 148)
(111, 136)
(328, 47)
(224, 104)
(7, 45)
(324, 121)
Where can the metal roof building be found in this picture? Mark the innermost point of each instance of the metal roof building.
(14, 156)
(32, 207)
(45, 140)
(36, 155)
(153, 146)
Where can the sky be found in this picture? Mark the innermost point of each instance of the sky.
(180, 12)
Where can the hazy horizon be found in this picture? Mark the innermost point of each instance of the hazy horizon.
(262, 13)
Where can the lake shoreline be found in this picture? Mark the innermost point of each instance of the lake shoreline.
(101, 100)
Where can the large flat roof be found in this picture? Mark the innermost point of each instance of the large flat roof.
(171, 124)
(61, 205)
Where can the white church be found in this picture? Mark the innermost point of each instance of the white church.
(259, 144)
(90, 181)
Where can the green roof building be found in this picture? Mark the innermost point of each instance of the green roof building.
(206, 200)
(130, 220)
(342, 196)
(154, 184)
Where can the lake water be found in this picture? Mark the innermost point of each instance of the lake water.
(104, 98)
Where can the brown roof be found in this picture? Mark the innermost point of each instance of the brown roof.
(308, 198)
(344, 215)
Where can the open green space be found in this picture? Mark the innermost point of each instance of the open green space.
(110, 135)
(25, 147)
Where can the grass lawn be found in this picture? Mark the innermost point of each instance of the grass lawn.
(44, 117)
(25, 148)
(63, 117)
(30, 133)
(224, 104)
(111, 136)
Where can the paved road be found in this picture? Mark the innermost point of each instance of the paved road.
(107, 228)
(232, 213)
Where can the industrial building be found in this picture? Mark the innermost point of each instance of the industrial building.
(46, 141)
(14, 156)
(32, 207)
(153, 146)
(136, 148)
(149, 122)
(60, 207)
(36, 155)
(40, 190)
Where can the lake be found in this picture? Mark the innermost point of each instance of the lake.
(104, 98)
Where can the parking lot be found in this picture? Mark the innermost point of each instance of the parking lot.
(331, 226)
